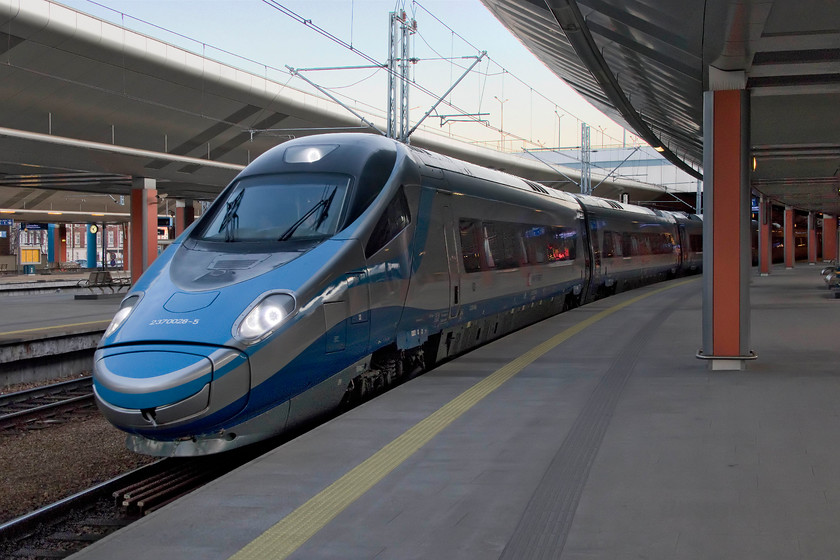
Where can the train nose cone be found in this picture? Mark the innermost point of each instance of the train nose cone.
(143, 380)
(153, 389)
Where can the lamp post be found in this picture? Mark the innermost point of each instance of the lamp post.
(559, 136)
(502, 125)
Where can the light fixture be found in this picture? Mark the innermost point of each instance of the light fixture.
(264, 318)
(307, 154)
(659, 149)
(125, 310)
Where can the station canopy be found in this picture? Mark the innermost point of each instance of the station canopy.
(647, 64)
(88, 105)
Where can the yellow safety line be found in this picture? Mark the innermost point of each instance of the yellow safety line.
(56, 327)
(288, 534)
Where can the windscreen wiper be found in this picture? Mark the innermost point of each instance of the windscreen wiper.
(323, 204)
(230, 223)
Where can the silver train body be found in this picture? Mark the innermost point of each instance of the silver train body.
(336, 265)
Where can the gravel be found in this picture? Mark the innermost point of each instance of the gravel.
(42, 466)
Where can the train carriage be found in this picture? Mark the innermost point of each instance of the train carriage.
(336, 265)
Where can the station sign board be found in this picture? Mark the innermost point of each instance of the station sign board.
(34, 226)
(7, 222)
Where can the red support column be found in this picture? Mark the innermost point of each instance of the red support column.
(829, 237)
(58, 246)
(61, 246)
(812, 238)
(126, 249)
(765, 241)
(184, 215)
(143, 225)
(726, 230)
(790, 242)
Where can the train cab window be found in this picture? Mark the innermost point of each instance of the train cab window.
(394, 219)
(279, 208)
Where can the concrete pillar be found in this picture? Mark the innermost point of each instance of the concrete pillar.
(829, 247)
(812, 238)
(790, 241)
(765, 239)
(726, 230)
(184, 215)
(143, 225)
(90, 244)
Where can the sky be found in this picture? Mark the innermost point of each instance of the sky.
(509, 89)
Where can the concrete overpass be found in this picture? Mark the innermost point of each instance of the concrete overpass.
(89, 106)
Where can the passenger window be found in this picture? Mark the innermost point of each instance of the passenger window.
(506, 245)
(469, 245)
(395, 218)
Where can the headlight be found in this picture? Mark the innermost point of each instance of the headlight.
(264, 318)
(119, 318)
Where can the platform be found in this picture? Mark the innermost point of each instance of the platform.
(33, 317)
(610, 440)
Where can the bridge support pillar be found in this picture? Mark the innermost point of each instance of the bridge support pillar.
(790, 240)
(184, 215)
(765, 240)
(829, 246)
(143, 246)
(726, 230)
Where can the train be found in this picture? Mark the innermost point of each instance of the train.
(337, 265)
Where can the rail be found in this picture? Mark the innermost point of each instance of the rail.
(56, 402)
(72, 523)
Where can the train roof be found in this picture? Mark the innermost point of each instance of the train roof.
(596, 202)
(452, 165)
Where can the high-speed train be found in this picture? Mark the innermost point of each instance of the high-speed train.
(335, 265)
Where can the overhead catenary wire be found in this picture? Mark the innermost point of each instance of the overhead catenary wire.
(400, 4)
(504, 70)
(308, 23)
(415, 6)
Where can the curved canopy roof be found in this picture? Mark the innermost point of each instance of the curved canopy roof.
(647, 64)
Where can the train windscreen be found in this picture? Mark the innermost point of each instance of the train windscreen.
(280, 208)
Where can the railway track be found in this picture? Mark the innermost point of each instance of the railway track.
(67, 526)
(47, 405)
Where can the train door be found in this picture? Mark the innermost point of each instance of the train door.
(388, 255)
(450, 239)
(684, 248)
(592, 258)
